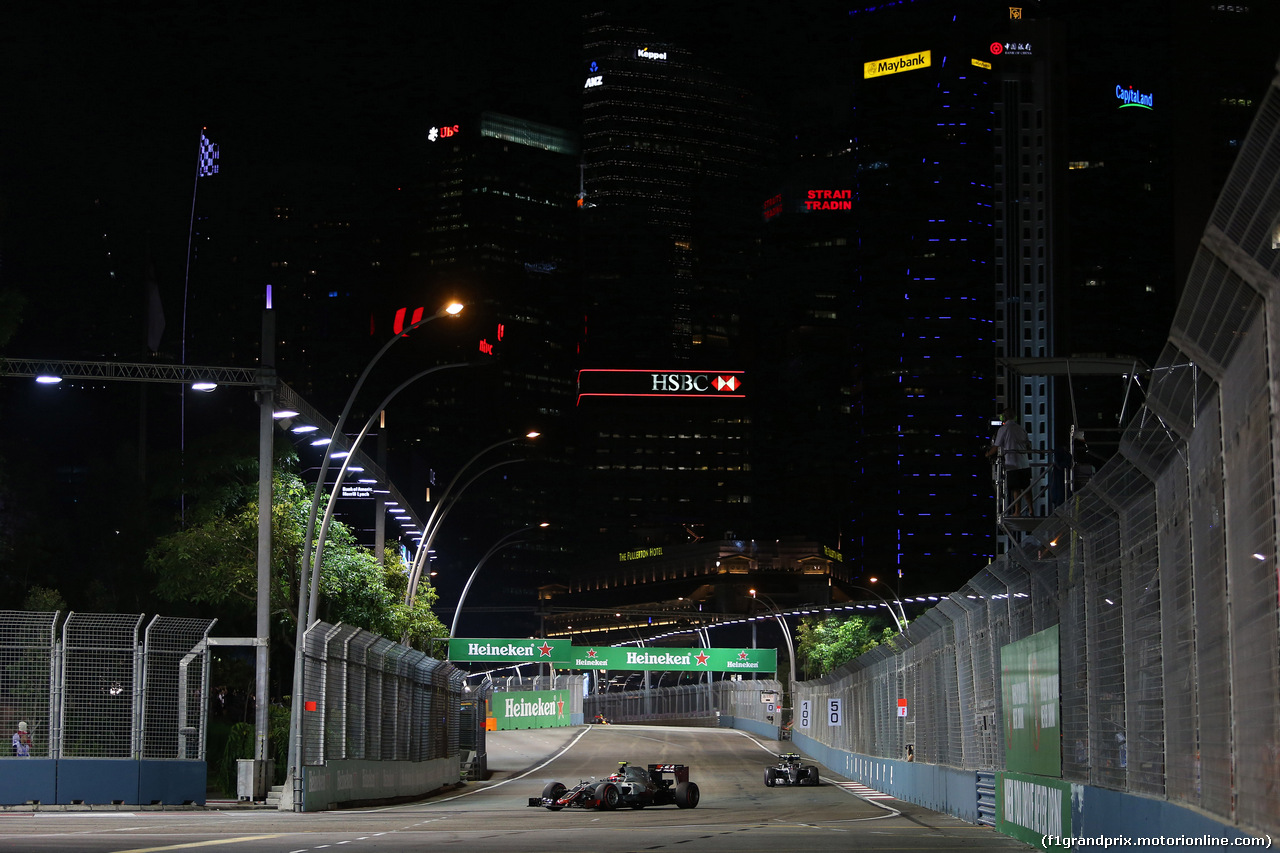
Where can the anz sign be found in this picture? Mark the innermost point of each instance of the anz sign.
(603, 382)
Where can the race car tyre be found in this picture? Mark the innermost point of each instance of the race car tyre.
(608, 796)
(687, 795)
(811, 775)
(768, 777)
(553, 791)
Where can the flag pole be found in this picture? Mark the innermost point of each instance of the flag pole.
(206, 164)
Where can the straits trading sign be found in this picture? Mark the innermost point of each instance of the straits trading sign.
(607, 382)
(897, 64)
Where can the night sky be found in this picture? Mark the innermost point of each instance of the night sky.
(102, 106)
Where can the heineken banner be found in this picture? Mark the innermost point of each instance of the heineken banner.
(509, 651)
(530, 709)
(560, 654)
(1033, 809)
(688, 660)
(1029, 687)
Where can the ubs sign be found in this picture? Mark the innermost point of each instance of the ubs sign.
(603, 382)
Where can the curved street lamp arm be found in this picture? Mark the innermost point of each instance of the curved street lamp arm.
(304, 598)
(446, 504)
(317, 560)
(509, 539)
(429, 528)
(303, 595)
(900, 622)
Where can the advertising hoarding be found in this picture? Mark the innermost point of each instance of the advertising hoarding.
(1029, 688)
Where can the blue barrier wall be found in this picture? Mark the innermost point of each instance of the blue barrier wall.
(101, 781)
(726, 721)
(1095, 812)
(28, 780)
(172, 782)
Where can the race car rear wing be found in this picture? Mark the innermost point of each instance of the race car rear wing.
(679, 771)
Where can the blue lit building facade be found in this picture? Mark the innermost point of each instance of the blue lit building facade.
(921, 292)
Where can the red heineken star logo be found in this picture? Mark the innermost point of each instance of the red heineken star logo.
(743, 655)
(545, 648)
(591, 653)
(701, 658)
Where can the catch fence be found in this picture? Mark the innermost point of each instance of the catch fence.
(740, 699)
(88, 686)
(369, 698)
(1161, 574)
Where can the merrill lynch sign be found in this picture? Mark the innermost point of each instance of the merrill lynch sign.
(603, 382)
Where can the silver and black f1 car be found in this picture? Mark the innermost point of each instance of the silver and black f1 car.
(790, 771)
(659, 785)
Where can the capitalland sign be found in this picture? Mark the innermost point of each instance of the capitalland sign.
(507, 650)
(897, 64)
(683, 660)
(605, 382)
(1128, 96)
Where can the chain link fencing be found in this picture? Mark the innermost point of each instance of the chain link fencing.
(376, 700)
(88, 686)
(684, 702)
(1161, 574)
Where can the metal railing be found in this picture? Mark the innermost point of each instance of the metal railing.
(88, 686)
(366, 697)
(1161, 574)
(740, 699)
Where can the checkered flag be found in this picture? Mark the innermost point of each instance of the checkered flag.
(208, 156)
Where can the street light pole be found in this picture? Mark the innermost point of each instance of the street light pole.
(314, 598)
(509, 539)
(293, 787)
(901, 622)
(432, 527)
(786, 635)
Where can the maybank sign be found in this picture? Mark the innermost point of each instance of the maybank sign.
(896, 64)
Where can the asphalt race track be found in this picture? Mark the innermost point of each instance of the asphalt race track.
(737, 813)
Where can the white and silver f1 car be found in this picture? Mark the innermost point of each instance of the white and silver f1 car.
(659, 785)
(790, 771)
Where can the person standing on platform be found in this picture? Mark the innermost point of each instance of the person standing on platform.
(1012, 441)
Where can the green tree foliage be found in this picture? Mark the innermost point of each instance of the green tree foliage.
(824, 644)
(213, 562)
(43, 600)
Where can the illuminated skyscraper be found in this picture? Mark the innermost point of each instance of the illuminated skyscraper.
(670, 145)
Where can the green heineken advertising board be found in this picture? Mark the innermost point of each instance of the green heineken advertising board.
(1033, 809)
(1029, 687)
(508, 651)
(530, 709)
(686, 660)
(559, 653)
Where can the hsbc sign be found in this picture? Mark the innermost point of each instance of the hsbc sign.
(658, 383)
(694, 382)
